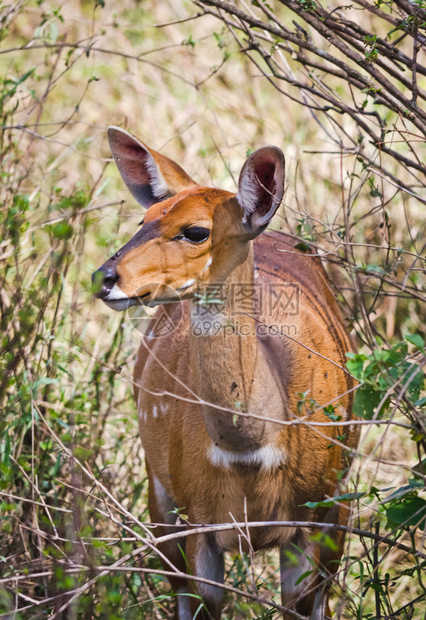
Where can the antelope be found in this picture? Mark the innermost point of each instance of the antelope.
(221, 397)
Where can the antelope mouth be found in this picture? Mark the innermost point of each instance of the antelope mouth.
(121, 304)
(146, 299)
(117, 300)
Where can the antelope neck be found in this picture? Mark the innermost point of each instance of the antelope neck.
(231, 365)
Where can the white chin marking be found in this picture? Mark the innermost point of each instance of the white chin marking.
(118, 300)
(120, 304)
(116, 293)
(268, 457)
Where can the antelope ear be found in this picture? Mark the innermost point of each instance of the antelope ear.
(261, 186)
(150, 176)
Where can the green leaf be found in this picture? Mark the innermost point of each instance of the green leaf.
(366, 401)
(408, 513)
(329, 411)
(371, 268)
(408, 488)
(63, 230)
(303, 576)
(324, 540)
(412, 571)
(415, 380)
(355, 363)
(327, 503)
(302, 246)
(416, 340)
(39, 382)
(81, 453)
(53, 32)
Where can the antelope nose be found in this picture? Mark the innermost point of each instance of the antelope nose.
(103, 280)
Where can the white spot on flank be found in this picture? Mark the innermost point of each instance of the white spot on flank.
(163, 407)
(141, 413)
(268, 457)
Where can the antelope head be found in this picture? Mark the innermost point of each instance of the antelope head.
(190, 235)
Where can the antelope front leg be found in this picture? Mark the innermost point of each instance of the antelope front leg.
(161, 507)
(309, 596)
(205, 559)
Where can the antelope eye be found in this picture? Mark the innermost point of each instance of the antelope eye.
(196, 234)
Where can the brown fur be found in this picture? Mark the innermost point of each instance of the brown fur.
(176, 444)
(227, 373)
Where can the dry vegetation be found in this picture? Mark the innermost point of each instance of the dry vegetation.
(204, 90)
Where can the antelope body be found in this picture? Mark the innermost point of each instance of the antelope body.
(207, 391)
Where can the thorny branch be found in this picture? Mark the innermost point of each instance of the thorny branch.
(361, 59)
